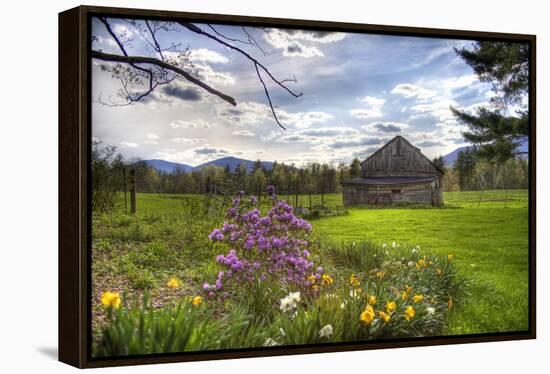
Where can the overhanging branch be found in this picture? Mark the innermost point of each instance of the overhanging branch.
(154, 61)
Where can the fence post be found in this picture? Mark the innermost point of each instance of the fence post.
(125, 189)
(133, 188)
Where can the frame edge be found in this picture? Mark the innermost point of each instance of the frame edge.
(70, 316)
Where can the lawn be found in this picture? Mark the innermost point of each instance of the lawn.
(168, 238)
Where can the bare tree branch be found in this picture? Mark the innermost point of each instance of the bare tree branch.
(197, 30)
(268, 97)
(154, 61)
(153, 36)
(253, 41)
(228, 38)
(121, 46)
(169, 69)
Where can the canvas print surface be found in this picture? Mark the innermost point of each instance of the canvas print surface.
(270, 187)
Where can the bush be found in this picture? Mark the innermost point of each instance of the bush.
(271, 248)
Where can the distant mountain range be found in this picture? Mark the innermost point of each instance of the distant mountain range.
(167, 166)
(232, 162)
(451, 157)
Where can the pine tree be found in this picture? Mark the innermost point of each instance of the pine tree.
(498, 132)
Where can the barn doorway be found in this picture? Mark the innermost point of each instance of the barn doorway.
(396, 195)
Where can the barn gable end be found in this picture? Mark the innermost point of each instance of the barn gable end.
(397, 172)
(398, 158)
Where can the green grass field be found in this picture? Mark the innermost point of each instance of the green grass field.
(490, 244)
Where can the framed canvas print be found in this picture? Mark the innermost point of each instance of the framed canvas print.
(237, 186)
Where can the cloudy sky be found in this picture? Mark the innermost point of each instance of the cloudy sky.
(359, 91)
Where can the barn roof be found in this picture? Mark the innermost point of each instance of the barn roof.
(416, 148)
(388, 180)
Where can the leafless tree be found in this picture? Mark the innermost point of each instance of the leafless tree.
(164, 64)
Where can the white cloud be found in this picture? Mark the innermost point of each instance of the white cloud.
(411, 90)
(185, 140)
(385, 127)
(193, 124)
(303, 120)
(125, 144)
(365, 113)
(373, 101)
(243, 133)
(291, 41)
(207, 55)
(458, 82)
(319, 139)
(152, 136)
(250, 113)
(373, 109)
(122, 30)
(439, 108)
(213, 77)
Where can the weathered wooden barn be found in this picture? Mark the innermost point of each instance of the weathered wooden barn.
(397, 172)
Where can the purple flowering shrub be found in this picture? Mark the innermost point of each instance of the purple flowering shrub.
(266, 248)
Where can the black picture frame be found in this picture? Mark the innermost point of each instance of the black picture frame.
(74, 186)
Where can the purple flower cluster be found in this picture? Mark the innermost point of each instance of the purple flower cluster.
(270, 247)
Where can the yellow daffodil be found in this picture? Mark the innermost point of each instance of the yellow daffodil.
(327, 279)
(450, 257)
(404, 295)
(380, 274)
(421, 263)
(390, 306)
(386, 317)
(368, 315)
(354, 281)
(409, 289)
(173, 283)
(409, 313)
(311, 279)
(196, 301)
(372, 300)
(418, 298)
(439, 271)
(111, 299)
(450, 303)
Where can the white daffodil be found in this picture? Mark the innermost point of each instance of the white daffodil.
(410, 264)
(394, 245)
(289, 302)
(430, 310)
(326, 331)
